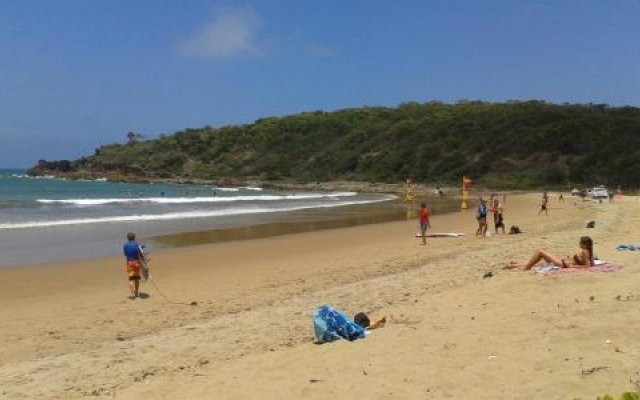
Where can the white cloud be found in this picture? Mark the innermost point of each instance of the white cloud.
(231, 34)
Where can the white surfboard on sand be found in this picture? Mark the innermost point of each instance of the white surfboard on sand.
(441, 234)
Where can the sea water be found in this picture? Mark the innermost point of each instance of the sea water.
(45, 219)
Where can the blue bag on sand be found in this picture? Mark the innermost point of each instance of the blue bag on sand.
(330, 325)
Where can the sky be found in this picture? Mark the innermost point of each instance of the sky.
(77, 74)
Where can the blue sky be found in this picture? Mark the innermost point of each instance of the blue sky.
(75, 74)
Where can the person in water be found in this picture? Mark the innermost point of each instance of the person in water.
(583, 259)
(133, 255)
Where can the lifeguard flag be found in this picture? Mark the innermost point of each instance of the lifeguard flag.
(466, 183)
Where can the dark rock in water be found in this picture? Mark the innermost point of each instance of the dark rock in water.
(45, 166)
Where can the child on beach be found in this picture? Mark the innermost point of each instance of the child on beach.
(481, 216)
(133, 256)
(424, 222)
(583, 259)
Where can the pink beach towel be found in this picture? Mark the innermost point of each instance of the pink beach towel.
(552, 270)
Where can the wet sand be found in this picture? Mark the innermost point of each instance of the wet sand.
(62, 244)
(307, 221)
(451, 334)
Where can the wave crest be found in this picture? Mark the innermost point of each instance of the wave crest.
(183, 215)
(193, 200)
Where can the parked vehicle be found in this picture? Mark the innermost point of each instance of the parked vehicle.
(579, 193)
(598, 192)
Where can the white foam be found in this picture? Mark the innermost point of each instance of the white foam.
(237, 189)
(36, 177)
(193, 200)
(182, 215)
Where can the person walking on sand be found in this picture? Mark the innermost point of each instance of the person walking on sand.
(481, 216)
(133, 255)
(498, 219)
(543, 205)
(424, 222)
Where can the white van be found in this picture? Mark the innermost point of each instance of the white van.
(598, 192)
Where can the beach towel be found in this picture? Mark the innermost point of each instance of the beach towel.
(552, 270)
(330, 325)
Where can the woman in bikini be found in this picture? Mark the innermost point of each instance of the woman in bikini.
(583, 259)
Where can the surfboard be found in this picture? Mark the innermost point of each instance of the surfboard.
(440, 234)
(144, 271)
(144, 263)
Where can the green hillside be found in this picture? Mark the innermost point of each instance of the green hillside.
(516, 144)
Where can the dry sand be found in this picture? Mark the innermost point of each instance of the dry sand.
(69, 331)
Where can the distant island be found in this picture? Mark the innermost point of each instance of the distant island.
(516, 144)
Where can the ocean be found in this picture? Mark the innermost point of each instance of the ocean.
(45, 219)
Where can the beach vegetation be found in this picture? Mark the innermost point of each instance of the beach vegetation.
(623, 396)
(518, 144)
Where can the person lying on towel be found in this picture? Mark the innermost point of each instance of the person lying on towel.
(330, 324)
(583, 259)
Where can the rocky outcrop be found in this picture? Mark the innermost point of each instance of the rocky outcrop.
(45, 167)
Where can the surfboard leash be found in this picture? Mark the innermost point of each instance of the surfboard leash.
(166, 298)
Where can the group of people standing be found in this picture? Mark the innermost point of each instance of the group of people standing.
(583, 259)
(496, 209)
(498, 215)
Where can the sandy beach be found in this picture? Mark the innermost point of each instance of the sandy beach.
(232, 320)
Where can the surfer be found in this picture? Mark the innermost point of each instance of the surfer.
(134, 257)
(424, 222)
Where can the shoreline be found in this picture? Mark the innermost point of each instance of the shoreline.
(311, 220)
(77, 242)
(425, 189)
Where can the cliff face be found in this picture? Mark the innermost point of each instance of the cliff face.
(516, 144)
